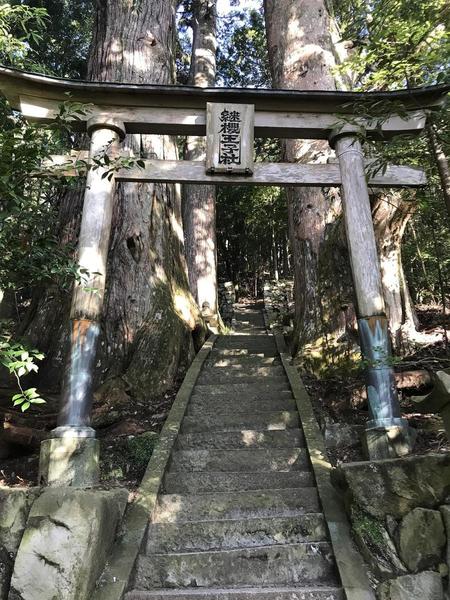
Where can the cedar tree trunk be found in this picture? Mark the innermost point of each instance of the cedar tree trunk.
(149, 313)
(199, 201)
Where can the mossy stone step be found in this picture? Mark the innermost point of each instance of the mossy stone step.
(277, 459)
(240, 363)
(216, 361)
(268, 565)
(235, 533)
(235, 405)
(279, 593)
(204, 394)
(245, 438)
(179, 508)
(275, 384)
(243, 352)
(266, 421)
(199, 483)
(232, 375)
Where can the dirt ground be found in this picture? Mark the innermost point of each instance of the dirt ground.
(122, 459)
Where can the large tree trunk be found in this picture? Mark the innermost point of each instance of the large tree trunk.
(301, 57)
(199, 201)
(441, 163)
(391, 213)
(148, 313)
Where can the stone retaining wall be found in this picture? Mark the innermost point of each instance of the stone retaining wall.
(279, 304)
(400, 514)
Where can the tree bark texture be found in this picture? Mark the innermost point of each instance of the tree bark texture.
(391, 214)
(301, 57)
(441, 162)
(148, 312)
(199, 201)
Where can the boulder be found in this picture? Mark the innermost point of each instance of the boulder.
(63, 550)
(395, 486)
(15, 504)
(422, 586)
(445, 512)
(421, 539)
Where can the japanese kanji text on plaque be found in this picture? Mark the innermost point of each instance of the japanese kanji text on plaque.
(229, 131)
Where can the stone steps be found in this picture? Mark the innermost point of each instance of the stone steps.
(250, 395)
(244, 352)
(239, 516)
(250, 375)
(254, 387)
(179, 508)
(234, 533)
(198, 483)
(232, 405)
(274, 593)
(290, 564)
(265, 421)
(227, 440)
(273, 459)
(240, 362)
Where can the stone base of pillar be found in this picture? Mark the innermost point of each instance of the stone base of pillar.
(388, 442)
(69, 461)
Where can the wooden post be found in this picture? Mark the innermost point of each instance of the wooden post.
(71, 455)
(87, 300)
(386, 430)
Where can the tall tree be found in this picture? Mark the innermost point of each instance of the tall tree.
(199, 201)
(149, 313)
(301, 57)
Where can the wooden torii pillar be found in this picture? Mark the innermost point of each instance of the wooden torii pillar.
(386, 432)
(70, 457)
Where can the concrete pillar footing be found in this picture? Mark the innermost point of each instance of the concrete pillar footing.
(392, 441)
(69, 461)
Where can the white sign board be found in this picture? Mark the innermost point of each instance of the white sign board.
(229, 138)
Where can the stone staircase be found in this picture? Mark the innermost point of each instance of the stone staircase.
(239, 517)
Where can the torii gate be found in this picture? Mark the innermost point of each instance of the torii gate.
(119, 109)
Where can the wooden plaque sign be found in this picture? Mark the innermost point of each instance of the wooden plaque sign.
(229, 138)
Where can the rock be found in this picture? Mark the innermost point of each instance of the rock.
(64, 547)
(395, 486)
(445, 512)
(15, 504)
(422, 586)
(376, 546)
(342, 435)
(421, 538)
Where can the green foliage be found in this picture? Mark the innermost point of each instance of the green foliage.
(368, 528)
(242, 55)
(140, 448)
(20, 360)
(20, 26)
(396, 43)
(62, 47)
(250, 222)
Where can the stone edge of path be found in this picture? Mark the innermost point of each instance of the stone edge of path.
(352, 570)
(114, 580)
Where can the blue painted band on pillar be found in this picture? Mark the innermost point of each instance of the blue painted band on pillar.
(76, 403)
(384, 406)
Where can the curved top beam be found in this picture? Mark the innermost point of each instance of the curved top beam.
(180, 110)
(14, 82)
